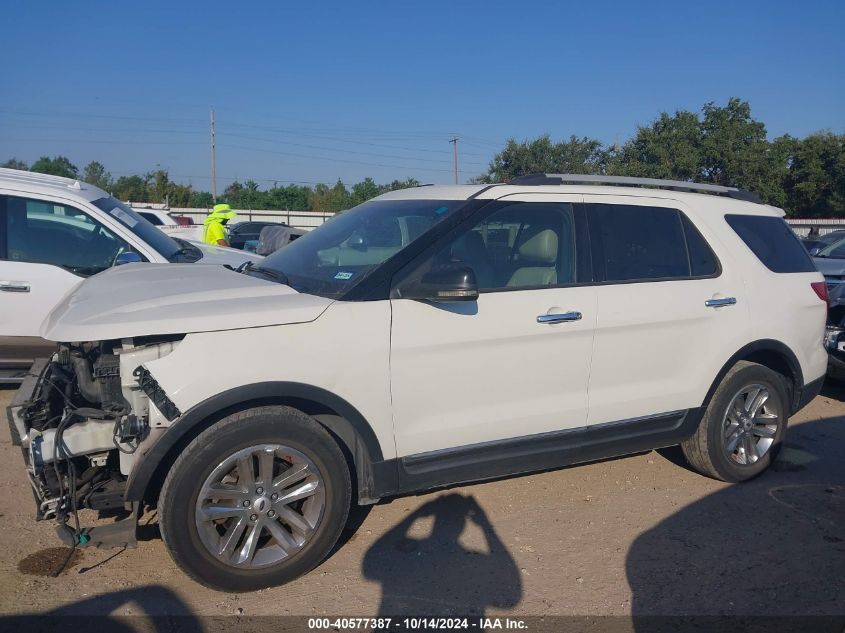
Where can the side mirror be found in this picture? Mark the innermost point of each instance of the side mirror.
(445, 285)
(358, 242)
(127, 257)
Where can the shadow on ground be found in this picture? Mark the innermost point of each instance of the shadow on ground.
(146, 609)
(435, 573)
(834, 389)
(771, 546)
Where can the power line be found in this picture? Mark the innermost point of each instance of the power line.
(101, 142)
(195, 122)
(347, 151)
(335, 160)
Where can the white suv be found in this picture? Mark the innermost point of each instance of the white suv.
(430, 336)
(54, 232)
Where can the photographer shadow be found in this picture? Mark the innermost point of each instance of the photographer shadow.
(150, 608)
(437, 574)
(762, 551)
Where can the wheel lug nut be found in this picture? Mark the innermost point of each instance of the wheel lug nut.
(253, 517)
(246, 504)
(274, 496)
(271, 513)
(259, 490)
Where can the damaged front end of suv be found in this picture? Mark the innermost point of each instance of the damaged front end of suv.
(80, 419)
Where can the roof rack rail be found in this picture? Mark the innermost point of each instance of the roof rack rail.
(630, 181)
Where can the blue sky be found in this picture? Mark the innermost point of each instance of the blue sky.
(324, 90)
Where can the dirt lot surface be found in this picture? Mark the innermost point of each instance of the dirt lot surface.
(638, 535)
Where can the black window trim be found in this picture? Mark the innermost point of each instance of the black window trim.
(3, 221)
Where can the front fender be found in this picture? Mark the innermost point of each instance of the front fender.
(343, 420)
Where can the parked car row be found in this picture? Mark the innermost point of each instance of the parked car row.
(431, 336)
(816, 243)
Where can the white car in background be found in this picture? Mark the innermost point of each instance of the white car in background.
(185, 229)
(55, 232)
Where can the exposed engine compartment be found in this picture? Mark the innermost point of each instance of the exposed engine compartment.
(80, 423)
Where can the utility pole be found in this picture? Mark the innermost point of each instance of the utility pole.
(213, 161)
(454, 142)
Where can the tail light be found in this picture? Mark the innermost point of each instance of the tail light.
(820, 288)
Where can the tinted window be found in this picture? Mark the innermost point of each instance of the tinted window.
(702, 261)
(163, 244)
(636, 242)
(522, 245)
(151, 218)
(773, 242)
(333, 257)
(47, 233)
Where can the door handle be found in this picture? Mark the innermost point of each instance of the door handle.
(717, 303)
(14, 286)
(559, 318)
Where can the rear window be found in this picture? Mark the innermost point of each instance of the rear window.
(773, 242)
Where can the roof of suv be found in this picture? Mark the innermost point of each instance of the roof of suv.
(45, 184)
(725, 199)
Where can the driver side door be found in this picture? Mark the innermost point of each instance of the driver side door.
(46, 249)
(499, 384)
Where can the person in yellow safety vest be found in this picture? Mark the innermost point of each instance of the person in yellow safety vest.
(214, 227)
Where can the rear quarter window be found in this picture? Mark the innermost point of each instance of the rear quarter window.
(773, 242)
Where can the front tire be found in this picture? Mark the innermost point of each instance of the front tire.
(743, 427)
(255, 500)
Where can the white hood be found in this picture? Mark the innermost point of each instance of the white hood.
(148, 299)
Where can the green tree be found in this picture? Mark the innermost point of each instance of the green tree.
(252, 197)
(670, 147)
(14, 163)
(58, 166)
(95, 174)
(815, 182)
(232, 195)
(363, 191)
(131, 189)
(200, 200)
(576, 155)
(408, 183)
(292, 197)
(330, 200)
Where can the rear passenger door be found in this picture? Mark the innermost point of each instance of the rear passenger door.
(669, 308)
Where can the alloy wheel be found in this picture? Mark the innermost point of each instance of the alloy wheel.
(750, 425)
(260, 506)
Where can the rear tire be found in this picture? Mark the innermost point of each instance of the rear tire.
(224, 511)
(743, 427)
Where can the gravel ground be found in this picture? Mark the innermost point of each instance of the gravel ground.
(640, 535)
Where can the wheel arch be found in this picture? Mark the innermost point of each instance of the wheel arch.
(350, 429)
(772, 354)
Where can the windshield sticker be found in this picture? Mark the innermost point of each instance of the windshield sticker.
(441, 210)
(124, 217)
(344, 275)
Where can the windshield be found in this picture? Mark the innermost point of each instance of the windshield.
(332, 258)
(154, 237)
(834, 251)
